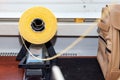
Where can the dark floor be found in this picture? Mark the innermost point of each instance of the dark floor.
(81, 69)
(72, 68)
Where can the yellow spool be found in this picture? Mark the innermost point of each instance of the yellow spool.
(33, 36)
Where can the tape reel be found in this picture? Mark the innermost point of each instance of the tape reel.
(36, 33)
(38, 25)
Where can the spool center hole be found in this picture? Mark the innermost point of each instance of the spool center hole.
(38, 22)
(37, 25)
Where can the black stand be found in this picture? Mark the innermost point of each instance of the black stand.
(39, 70)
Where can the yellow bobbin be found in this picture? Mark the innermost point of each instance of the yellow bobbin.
(42, 16)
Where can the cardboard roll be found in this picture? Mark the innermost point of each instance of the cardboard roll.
(38, 25)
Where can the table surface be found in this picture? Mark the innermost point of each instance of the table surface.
(9, 69)
(72, 69)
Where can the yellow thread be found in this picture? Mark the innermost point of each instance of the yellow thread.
(66, 49)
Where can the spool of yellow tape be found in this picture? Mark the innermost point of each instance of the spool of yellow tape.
(37, 25)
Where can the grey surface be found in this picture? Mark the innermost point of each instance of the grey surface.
(9, 46)
(87, 47)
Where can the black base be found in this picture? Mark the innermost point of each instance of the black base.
(43, 68)
(81, 69)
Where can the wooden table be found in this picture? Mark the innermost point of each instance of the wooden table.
(9, 69)
(72, 68)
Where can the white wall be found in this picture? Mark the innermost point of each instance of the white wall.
(59, 7)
